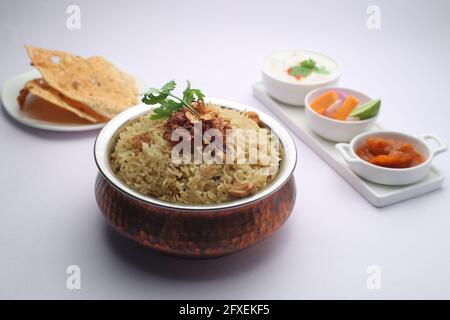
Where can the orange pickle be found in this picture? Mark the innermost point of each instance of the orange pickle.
(389, 153)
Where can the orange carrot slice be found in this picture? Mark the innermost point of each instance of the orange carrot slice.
(324, 101)
(347, 107)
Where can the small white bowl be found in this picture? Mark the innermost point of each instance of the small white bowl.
(392, 176)
(287, 90)
(336, 130)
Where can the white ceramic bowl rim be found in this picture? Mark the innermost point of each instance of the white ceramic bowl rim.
(417, 139)
(337, 74)
(334, 120)
(106, 138)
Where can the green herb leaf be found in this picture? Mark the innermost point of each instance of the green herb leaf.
(300, 71)
(168, 102)
(321, 70)
(167, 108)
(305, 68)
(169, 86)
(310, 64)
(191, 95)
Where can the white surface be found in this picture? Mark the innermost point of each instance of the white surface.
(11, 89)
(49, 216)
(379, 195)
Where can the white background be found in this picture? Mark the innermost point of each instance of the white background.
(48, 215)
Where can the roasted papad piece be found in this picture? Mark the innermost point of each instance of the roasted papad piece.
(39, 88)
(92, 82)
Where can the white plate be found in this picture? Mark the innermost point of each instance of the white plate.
(377, 194)
(11, 90)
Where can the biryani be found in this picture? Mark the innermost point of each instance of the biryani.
(142, 156)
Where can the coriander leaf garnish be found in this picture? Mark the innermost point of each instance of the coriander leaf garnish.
(169, 86)
(166, 109)
(168, 102)
(321, 70)
(305, 68)
(310, 64)
(190, 95)
(300, 71)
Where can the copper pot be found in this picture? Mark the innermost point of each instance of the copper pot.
(196, 231)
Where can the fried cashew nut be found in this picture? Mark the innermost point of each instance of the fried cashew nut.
(242, 190)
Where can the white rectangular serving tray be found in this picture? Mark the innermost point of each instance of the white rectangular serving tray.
(377, 194)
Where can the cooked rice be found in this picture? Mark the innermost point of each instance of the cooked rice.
(147, 167)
